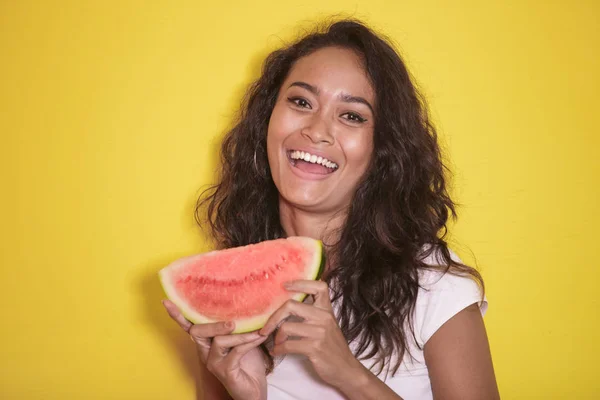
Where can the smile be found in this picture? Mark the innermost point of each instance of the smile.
(311, 163)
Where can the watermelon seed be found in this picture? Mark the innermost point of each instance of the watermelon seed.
(266, 275)
(278, 267)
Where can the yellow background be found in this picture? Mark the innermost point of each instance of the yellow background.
(110, 114)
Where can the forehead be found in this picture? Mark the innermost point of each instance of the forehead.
(333, 70)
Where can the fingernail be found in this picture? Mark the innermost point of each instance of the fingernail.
(288, 285)
(228, 324)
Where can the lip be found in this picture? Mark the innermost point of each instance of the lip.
(303, 174)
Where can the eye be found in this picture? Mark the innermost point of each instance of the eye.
(354, 117)
(300, 102)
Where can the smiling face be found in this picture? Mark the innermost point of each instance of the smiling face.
(320, 136)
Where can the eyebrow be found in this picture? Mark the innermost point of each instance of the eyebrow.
(356, 99)
(347, 98)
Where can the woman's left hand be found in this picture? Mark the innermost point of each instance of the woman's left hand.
(318, 337)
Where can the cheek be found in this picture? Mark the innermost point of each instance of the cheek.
(277, 132)
(284, 120)
(274, 130)
(359, 149)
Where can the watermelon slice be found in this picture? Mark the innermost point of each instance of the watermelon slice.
(241, 284)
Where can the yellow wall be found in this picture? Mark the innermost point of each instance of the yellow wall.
(109, 115)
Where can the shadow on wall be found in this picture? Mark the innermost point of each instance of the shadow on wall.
(150, 292)
(155, 316)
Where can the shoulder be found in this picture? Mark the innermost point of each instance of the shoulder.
(441, 296)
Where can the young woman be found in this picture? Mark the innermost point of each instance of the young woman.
(334, 143)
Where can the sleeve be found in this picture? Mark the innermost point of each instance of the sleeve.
(441, 297)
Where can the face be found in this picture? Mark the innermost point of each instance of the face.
(320, 136)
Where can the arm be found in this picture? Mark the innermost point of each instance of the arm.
(459, 361)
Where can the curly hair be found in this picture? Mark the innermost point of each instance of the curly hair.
(399, 211)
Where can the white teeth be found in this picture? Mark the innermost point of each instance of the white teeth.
(301, 155)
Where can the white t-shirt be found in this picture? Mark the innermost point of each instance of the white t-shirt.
(440, 297)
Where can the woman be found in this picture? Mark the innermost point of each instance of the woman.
(334, 143)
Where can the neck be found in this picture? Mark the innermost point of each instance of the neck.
(322, 226)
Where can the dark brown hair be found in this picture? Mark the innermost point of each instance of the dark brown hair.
(398, 214)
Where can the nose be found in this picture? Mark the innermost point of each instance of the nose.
(318, 130)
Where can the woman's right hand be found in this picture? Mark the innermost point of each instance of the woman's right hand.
(235, 360)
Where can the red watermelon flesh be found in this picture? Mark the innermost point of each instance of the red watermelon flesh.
(242, 284)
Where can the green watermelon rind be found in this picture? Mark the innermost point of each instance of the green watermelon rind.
(256, 322)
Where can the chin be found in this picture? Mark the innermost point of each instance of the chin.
(300, 198)
(314, 204)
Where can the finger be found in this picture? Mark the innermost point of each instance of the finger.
(318, 289)
(202, 345)
(221, 344)
(297, 329)
(176, 315)
(203, 348)
(289, 308)
(232, 360)
(203, 331)
(304, 347)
